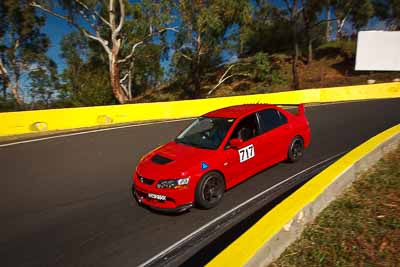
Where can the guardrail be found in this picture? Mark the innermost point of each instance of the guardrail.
(269, 237)
(23, 122)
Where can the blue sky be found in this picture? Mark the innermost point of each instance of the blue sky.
(56, 29)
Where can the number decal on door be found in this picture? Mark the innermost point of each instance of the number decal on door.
(246, 153)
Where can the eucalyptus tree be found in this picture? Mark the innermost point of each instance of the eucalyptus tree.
(328, 11)
(84, 80)
(42, 85)
(294, 11)
(74, 50)
(206, 29)
(311, 11)
(22, 45)
(389, 11)
(355, 12)
(361, 14)
(105, 22)
(269, 30)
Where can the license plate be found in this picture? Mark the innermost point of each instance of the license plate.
(158, 197)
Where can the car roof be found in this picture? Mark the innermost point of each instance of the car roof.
(238, 111)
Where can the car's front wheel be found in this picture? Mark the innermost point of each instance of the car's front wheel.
(209, 190)
(296, 149)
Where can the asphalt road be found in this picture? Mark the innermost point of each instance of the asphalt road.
(65, 201)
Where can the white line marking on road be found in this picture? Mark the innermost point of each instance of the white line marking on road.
(91, 131)
(176, 244)
(144, 124)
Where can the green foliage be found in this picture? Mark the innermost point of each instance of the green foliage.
(41, 86)
(95, 89)
(263, 70)
(358, 12)
(388, 10)
(259, 68)
(254, 74)
(361, 13)
(269, 31)
(262, 67)
(349, 49)
(9, 104)
(206, 31)
(124, 30)
(342, 48)
(147, 17)
(22, 44)
(85, 80)
(209, 32)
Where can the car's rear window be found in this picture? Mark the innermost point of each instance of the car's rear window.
(271, 119)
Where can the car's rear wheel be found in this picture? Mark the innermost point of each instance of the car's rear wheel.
(296, 149)
(209, 190)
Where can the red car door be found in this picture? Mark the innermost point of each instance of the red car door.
(243, 161)
(275, 136)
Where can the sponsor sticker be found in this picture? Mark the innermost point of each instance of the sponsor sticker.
(204, 166)
(158, 197)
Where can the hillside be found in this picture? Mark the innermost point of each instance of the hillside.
(325, 71)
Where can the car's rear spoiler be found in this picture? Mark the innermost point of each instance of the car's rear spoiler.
(300, 108)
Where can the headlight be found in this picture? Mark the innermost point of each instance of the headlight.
(173, 183)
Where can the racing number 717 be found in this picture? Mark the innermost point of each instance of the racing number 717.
(246, 153)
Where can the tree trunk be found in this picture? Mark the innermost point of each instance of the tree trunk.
(130, 86)
(75, 83)
(196, 82)
(340, 26)
(339, 30)
(115, 84)
(197, 87)
(309, 42)
(295, 72)
(328, 22)
(295, 55)
(4, 90)
(15, 88)
(15, 93)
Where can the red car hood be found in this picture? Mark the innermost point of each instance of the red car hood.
(180, 159)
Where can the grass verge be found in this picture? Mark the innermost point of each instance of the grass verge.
(360, 228)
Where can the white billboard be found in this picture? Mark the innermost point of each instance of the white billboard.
(378, 50)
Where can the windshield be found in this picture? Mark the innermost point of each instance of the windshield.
(205, 132)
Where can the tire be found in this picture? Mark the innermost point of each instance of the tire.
(132, 198)
(296, 149)
(209, 190)
(132, 189)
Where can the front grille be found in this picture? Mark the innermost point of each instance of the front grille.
(145, 180)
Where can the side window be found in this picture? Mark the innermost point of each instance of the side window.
(247, 128)
(271, 119)
(283, 118)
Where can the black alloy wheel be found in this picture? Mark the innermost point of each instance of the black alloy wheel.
(295, 149)
(210, 190)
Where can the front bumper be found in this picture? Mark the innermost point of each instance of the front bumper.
(158, 206)
(176, 200)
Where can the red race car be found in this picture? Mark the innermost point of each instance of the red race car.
(216, 152)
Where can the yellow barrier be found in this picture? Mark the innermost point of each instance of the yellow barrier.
(13, 123)
(245, 247)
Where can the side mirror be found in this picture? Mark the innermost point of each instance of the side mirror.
(236, 143)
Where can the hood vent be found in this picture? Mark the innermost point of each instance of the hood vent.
(160, 159)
